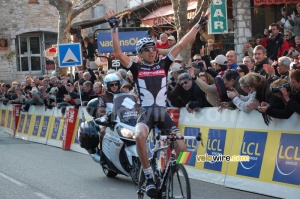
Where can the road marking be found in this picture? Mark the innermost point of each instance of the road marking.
(43, 196)
(12, 180)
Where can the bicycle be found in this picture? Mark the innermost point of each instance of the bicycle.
(171, 179)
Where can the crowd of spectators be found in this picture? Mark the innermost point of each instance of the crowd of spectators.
(266, 80)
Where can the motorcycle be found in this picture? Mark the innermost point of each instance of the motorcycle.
(119, 155)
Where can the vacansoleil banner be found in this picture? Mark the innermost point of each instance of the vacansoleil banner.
(128, 41)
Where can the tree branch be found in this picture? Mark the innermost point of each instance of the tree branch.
(86, 4)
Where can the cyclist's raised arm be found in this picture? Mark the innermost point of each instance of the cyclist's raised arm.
(114, 22)
(200, 26)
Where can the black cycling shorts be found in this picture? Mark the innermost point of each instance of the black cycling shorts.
(157, 115)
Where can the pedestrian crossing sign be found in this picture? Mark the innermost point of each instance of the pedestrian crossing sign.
(69, 55)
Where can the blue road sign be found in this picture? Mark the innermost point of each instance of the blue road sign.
(69, 55)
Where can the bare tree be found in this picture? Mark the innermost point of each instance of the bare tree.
(182, 24)
(68, 10)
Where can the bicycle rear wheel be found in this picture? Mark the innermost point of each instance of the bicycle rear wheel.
(178, 183)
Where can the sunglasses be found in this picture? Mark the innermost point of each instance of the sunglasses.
(184, 83)
(115, 84)
(148, 49)
(196, 59)
(177, 61)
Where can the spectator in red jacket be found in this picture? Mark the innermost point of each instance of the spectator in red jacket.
(274, 43)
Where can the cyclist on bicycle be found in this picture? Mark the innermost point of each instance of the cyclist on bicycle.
(151, 83)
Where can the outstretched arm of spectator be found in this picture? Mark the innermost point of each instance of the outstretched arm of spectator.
(93, 76)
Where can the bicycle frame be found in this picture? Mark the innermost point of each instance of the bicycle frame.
(168, 158)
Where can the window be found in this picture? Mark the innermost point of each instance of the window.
(30, 48)
(99, 11)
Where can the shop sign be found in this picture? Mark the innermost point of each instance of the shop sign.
(218, 17)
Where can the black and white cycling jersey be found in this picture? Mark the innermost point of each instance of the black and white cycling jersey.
(151, 81)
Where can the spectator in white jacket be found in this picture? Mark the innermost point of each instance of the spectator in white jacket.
(240, 101)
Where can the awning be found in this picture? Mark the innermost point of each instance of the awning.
(165, 15)
(270, 2)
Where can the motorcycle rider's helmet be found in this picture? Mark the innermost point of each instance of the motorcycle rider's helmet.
(91, 107)
(111, 78)
(144, 42)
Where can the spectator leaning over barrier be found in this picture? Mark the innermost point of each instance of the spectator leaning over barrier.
(176, 70)
(20, 97)
(231, 82)
(191, 96)
(36, 99)
(242, 101)
(249, 62)
(207, 84)
(290, 95)
(260, 56)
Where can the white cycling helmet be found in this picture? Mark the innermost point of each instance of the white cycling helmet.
(146, 41)
(111, 78)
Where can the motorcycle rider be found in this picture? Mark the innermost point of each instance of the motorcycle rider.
(151, 82)
(113, 85)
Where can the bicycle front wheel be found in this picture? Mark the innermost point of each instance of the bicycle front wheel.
(178, 183)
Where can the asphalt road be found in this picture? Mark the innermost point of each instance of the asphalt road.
(36, 171)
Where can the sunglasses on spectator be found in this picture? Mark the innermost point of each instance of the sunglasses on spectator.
(286, 35)
(148, 49)
(183, 83)
(197, 59)
(115, 84)
(178, 61)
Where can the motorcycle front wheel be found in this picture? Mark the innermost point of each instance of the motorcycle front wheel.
(135, 171)
(108, 173)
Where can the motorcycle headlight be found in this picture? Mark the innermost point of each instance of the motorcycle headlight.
(126, 133)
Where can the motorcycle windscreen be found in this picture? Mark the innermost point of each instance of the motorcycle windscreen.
(125, 108)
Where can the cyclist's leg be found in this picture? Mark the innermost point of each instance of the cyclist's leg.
(142, 131)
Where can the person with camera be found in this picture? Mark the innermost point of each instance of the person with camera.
(274, 42)
(206, 83)
(189, 94)
(290, 95)
(176, 70)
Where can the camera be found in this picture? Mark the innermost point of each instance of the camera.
(277, 89)
(270, 31)
(197, 65)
